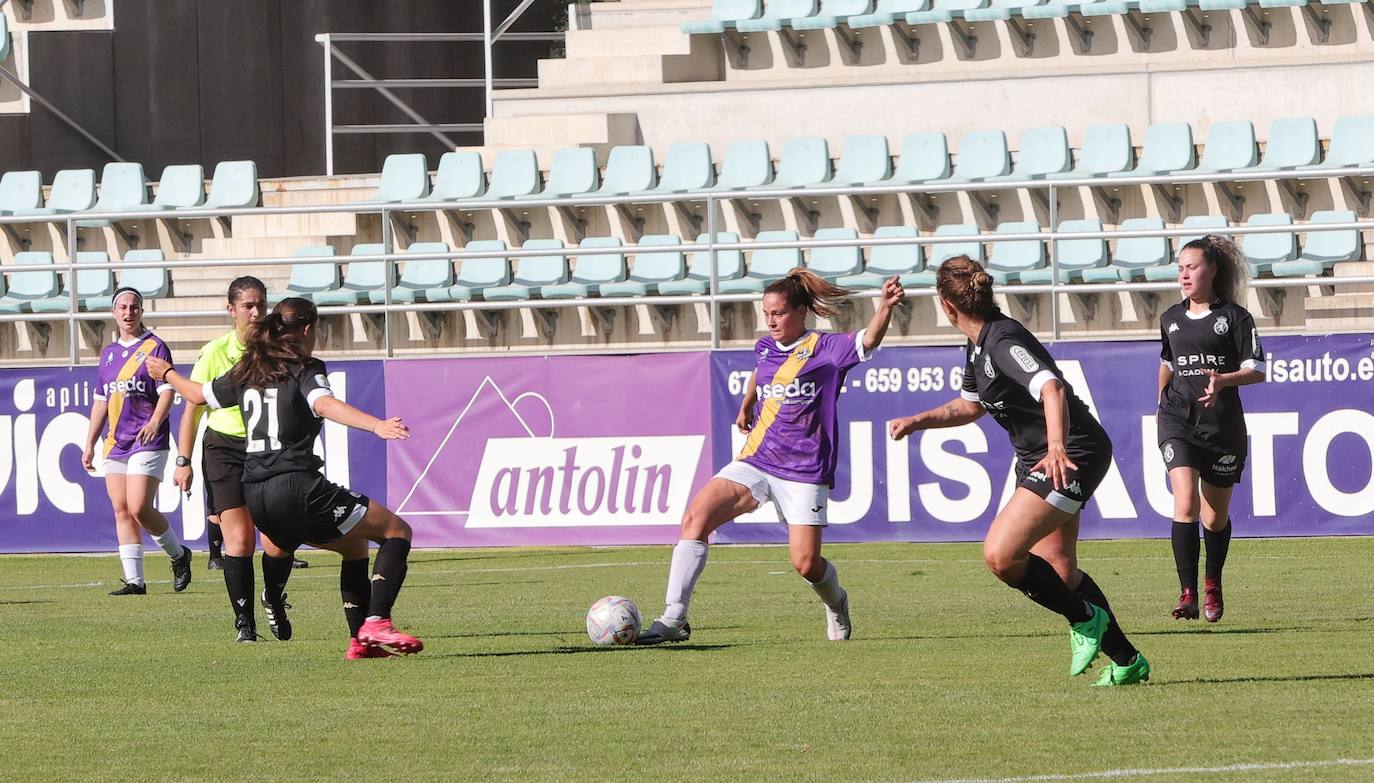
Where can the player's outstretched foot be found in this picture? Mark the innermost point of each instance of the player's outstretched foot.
(216, 562)
(246, 632)
(380, 633)
(130, 588)
(357, 650)
(660, 631)
(1137, 671)
(837, 624)
(181, 570)
(1212, 605)
(277, 620)
(1085, 640)
(296, 562)
(1187, 605)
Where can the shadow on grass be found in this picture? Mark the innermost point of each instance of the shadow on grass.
(1204, 629)
(18, 603)
(1285, 678)
(578, 651)
(426, 585)
(508, 555)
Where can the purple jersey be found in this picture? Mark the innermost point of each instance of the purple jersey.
(796, 427)
(131, 395)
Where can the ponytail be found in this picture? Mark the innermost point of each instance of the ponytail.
(963, 283)
(805, 289)
(274, 342)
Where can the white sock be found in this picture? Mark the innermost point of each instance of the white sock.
(829, 587)
(689, 560)
(170, 542)
(131, 557)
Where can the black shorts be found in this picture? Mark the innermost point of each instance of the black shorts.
(303, 508)
(1093, 464)
(1218, 468)
(221, 468)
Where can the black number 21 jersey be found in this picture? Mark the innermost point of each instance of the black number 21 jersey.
(281, 420)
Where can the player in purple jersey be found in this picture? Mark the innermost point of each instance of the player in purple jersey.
(789, 457)
(135, 444)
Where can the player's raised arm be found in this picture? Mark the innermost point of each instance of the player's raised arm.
(163, 372)
(892, 295)
(340, 412)
(954, 413)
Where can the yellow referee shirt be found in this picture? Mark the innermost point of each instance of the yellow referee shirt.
(216, 358)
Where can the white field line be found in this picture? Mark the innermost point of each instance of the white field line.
(1126, 774)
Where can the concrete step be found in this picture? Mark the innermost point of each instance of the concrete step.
(702, 64)
(625, 42)
(319, 224)
(561, 130)
(646, 13)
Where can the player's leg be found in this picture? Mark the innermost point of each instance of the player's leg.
(236, 525)
(381, 526)
(276, 570)
(804, 544)
(1216, 534)
(1183, 480)
(355, 592)
(127, 532)
(141, 493)
(1060, 550)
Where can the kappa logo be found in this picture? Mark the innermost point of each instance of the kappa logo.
(350, 605)
(1168, 452)
(378, 578)
(1173, 328)
(988, 369)
(339, 511)
(1023, 359)
(1221, 326)
(1074, 488)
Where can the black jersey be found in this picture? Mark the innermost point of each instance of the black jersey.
(1005, 371)
(281, 420)
(1223, 339)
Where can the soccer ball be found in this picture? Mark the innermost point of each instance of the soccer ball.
(613, 620)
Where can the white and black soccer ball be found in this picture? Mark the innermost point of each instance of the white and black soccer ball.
(613, 620)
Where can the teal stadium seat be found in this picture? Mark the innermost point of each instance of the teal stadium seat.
(1073, 256)
(1323, 249)
(941, 253)
(925, 158)
(1060, 10)
(459, 178)
(805, 162)
(1044, 151)
(1106, 150)
(21, 191)
(887, 12)
(1008, 260)
(687, 169)
(777, 14)
(982, 155)
(180, 187)
(1292, 144)
(423, 280)
(151, 282)
(514, 173)
(833, 263)
(1262, 251)
(629, 169)
(404, 178)
(765, 264)
(361, 278)
(572, 173)
(476, 275)
(1000, 11)
(590, 270)
(729, 266)
(1352, 144)
(26, 287)
(866, 160)
(885, 261)
(1207, 224)
(833, 13)
(308, 279)
(1230, 147)
(1222, 5)
(532, 274)
(73, 190)
(725, 14)
(1134, 256)
(747, 165)
(1168, 149)
(91, 284)
(234, 186)
(651, 268)
(944, 11)
(1165, 6)
(123, 188)
(5, 46)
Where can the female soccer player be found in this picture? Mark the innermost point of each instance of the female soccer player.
(282, 393)
(1209, 347)
(222, 467)
(793, 442)
(1062, 454)
(135, 444)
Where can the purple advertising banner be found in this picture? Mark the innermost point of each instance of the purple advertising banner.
(549, 450)
(49, 503)
(1308, 472)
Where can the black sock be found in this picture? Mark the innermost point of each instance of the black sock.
(1186, 550)
(387, 575)
(238, 580)
(1114, 641)
(1218, 543)
(356, 593)
(1042, 585)
(275, 572)
(214, 537)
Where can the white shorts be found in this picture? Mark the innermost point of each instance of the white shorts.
(798, 503)
(140, 463)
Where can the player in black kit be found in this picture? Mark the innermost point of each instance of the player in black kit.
(283, 393)
(1062, 455)
(1209, 347)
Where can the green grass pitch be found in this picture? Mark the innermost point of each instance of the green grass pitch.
(950, 674)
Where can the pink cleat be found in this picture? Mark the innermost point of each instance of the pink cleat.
(357, 650)
(380, 633)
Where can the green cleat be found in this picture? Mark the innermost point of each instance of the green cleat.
(1085, 640)
(1137, 672)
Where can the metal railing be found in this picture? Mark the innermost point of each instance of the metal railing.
(712, 202)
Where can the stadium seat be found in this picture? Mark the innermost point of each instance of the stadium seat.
(833, 13)
(361, 278)
(1352, 144)
(729, 266)
(73, 190)
(1072, 256)
(1230, 147)
(1134, 255)
(1205, 223)
(90, 284)
(1000, 10)
(887, 12)
(925, 158)
(180, 187)
(944, 11)
(21, 191)
(765, 264)
(122, 188)
(982, 155)
(1044, 151)
(514, 173)
(425, 280)
(235, 185)
(152, 282)
(651, 268)
(1106, 150)
(404, 178)
(777, 14)
(833, 263)
(459, 178)
(865, 160)
(307, 279)
(805, 161)
(590, 270)
(26, 287)
(1262, 251)
(476, 275)
(1008, 260)
(725, 14)
(1059, 10)
(1168, 149)
(885, 261)
(532, 273)
(629, 169)
(1323, 249)
(747, 165)
(5, 45)
(1292, 143)
(572, 173)
(686, 169)
(941, 253)
(1222, 5)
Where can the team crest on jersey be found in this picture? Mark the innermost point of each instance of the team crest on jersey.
(803, 353)
(1168, 452)
(1221, 326)
(987, 367)
(1173, 328)
(138, 357)
(1024, 359)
